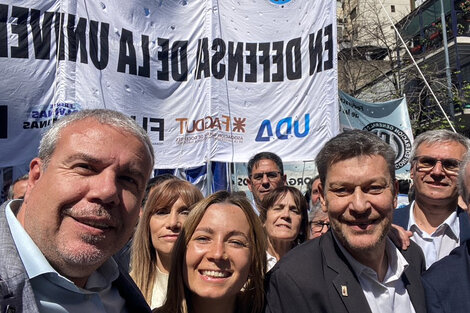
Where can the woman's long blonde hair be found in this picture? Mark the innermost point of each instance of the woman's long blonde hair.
(143, 254)
(251, 298)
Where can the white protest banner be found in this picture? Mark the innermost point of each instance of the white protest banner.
(208, 80)
(388, 120)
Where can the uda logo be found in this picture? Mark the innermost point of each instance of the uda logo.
(280, 2)
(396, 138)
(286, 128)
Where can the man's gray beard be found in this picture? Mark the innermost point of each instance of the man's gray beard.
(88, 256)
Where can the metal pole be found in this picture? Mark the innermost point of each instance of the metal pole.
(209, 177)
(446, 53)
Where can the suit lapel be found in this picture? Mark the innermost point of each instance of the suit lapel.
(135, 302)
(346, 284)
(464, 225)
(412, 280)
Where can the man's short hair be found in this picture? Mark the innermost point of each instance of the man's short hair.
(104, 116)
(11, 192)
(462, 187)
(265, 156)
(350, 144)
(438, 136)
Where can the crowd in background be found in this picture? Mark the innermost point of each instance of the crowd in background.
(92, 232)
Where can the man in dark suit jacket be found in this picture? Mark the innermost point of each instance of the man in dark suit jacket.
(447, 282)
(354, 267)
(81, 205)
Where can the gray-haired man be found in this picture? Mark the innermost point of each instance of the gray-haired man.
(447, 282)
(437, 223)
(80, 207)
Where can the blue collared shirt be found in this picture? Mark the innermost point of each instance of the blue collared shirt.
(55, 293)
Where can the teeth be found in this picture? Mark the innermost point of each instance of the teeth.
(215, 274)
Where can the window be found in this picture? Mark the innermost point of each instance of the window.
(392, 8)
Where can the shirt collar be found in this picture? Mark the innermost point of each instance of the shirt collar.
(397, 263)
(36, 264)
(452, 223)
(33, 260)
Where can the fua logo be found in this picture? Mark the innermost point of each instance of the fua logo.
(280, 2)
(283, 129)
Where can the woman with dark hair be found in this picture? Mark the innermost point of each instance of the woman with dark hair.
(283, 213)
(219, 259)
(163, 216)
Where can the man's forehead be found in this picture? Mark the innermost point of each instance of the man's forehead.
(91, 131)
(315, 183)
(265, 164)
(448, 146)
(358, 162)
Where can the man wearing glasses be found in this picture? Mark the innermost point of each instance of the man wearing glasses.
(437, 223)
(265, 173)
(318, 221)
(446, 283)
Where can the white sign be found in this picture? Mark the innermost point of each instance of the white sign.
(208, 80)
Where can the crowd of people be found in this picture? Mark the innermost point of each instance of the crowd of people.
(88, 230)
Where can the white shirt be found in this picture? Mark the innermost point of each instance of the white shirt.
(159, 289)
(55, 293)
(441, 242)
(271, 261)
(387, 296)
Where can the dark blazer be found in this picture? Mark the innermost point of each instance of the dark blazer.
(16, 293)
(447, 282)
(310, 279)
(401, 218)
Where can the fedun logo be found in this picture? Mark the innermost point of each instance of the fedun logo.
(395, 137)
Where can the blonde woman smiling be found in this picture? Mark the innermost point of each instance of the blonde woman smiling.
(220, 259)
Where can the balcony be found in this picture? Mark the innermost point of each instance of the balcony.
(422, 30)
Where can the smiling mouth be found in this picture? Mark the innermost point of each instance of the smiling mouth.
(216, 274)
(439, 184)
(98, 224)
(170, 237)
(363, 224)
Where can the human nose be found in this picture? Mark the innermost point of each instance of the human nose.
(359, 202)
(217, 250)
(285, 213)
(437, 168)
(173, 220)
(104, 188)
(265, 179)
